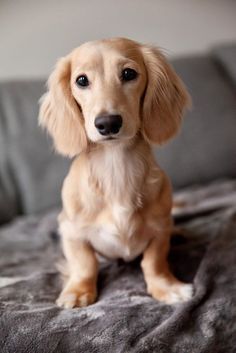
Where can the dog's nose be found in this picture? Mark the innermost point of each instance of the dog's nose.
(108, 124)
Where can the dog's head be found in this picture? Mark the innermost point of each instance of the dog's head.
(107, 91)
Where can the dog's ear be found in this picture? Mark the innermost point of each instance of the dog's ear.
(60, 114)
(165, 98)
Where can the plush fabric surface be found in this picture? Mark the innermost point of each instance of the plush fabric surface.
(125, 318)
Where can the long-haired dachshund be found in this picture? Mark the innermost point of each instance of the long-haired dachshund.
(108, 101)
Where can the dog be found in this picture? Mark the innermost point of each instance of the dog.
(108, 102)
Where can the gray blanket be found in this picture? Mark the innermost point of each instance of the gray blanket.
(125, 318)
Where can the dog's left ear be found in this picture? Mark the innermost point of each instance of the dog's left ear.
(165, 98)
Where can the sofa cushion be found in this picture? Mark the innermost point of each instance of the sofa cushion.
(8, 199)
(205, 149)
(37, 172)
(225, 56)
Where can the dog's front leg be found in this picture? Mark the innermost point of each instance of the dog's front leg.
(161, 283)
(81, 286)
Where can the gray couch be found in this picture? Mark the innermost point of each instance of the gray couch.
(201, 162)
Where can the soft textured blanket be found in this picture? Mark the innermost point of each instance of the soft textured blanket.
(125, 318)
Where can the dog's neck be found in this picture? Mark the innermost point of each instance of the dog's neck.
(119, 169)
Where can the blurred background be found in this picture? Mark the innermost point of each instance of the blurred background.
(198, 36)
(35, 33)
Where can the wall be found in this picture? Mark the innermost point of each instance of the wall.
(33, 34)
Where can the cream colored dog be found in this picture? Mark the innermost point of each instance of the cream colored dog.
(107, 102)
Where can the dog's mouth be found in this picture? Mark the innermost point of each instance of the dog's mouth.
(109, 138)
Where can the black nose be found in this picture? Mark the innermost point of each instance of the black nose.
(108, 124)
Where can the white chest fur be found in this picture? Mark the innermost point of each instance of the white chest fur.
(112, 196)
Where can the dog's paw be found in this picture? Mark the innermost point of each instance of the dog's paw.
(72, 297)
(71, 300)
(179, 293)
(171, 293)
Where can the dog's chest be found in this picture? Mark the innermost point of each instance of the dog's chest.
(115, 231)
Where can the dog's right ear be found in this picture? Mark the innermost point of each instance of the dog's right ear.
(165, 99)
(60, 114)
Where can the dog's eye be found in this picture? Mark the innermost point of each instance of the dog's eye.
(128, 75)
(82, 81)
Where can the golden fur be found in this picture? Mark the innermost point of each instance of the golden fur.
(116, 199)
